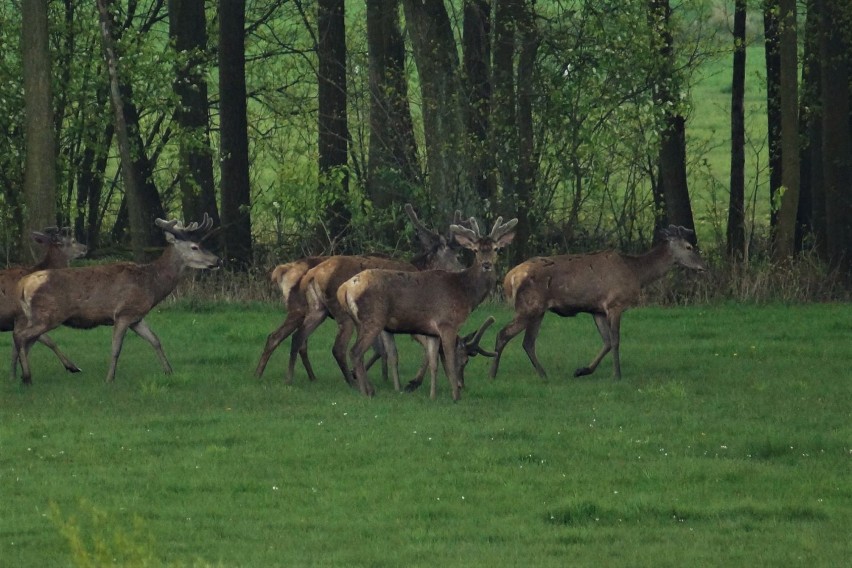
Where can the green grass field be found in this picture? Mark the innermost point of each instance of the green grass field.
(727, 444)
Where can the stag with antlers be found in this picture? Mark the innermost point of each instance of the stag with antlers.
(119, 294)
(433, 303)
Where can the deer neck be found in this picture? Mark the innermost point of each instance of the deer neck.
(51, 259)
(652, 265)
(166, 271)
(477, 283)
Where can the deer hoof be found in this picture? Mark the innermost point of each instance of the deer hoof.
(413, 386)
(582, 371)
(74, 369)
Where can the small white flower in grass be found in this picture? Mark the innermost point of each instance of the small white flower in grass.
(275, 488)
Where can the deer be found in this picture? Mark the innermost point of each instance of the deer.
(434, 303)
(287, 277)
(117, 294)
(602, 284)
(466, 348)
(60, 248)
(319, 286)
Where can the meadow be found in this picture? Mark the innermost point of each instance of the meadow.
(726, 443)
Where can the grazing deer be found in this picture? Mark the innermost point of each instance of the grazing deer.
(603, 284)
(60, 249)
(319, 285)
(466, 347)
(288, 277)
(118, 294)
(433, 302)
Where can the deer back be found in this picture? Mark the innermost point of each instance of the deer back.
(568, 284)
(60, 249)
(287, 276)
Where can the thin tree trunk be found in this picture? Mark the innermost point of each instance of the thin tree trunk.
(234, 160)
(393, 172)
(477, 88)
(141, 210)
(333, 125)
(835, 54)
(672, 156)
(188, 31)
(527, 159)
(436, 56)
(736, 205)
(786, 234)
(773, 107)
(810, 223)
(40, 137)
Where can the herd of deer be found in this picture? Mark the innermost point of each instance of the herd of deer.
(373, 296)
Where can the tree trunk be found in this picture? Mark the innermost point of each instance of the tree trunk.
(437, 62)
(333, 126)
(835, 54)
(393, 172)
(786, 233)
(40, 138)
(526, 211)
(188, 32)
(234, 160)
(672, 156)
(477, 89)
(810, 223)
(504, 117)
(773, 108)
(143, 203)
(736, 205)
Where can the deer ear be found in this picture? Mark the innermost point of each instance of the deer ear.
(464, 236)
(505, 240)
(40, 237)
(170, 238)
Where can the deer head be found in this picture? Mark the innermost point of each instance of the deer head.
(61, 241)
(485, 247)
(680, 242)
(186, 240)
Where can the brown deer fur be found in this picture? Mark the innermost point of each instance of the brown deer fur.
(319, 285)
(603, 284)
(288, 277)
(120, 295)
(60, 247)
(433, 302)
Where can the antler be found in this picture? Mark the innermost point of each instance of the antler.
(184, 232)
(471, 341)
(501, 228)
(677, 231)
(426, 235)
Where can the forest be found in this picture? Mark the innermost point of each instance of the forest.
(303, 127)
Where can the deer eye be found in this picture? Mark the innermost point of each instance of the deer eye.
(194, 247)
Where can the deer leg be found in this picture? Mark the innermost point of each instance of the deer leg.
(604, 329)
(448, 342)
(141, 329)
(23, 340)
(505, 335)
(530, 336)
(345, 327)
(66, 362)
(614, 340)
(433, 347)
(379, 352)
(362, 343)
(392, 356)
(274, 339)
(299, 347)
(119, 330)
(415, 383)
